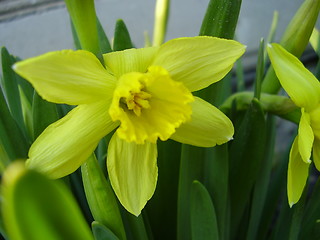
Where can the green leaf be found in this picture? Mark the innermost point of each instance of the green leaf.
(276, 192)
(122, 38)
(218, 92)
(297, 217)
(209, 165)
(272, 32)
(221, 18)
(76, 40)
(26, 105)
(203, 215)
(191, 168)
(162, 207)
(10, 87)
(240, 76)
(259, 71)
(12, 139)
(100, 197)
(44, 113)
(261, 186)
(312, 213)
(84, 19)
(282, 224)
(246, 153)
(37, 208)
(216, 181)
(135, 226)
(103, 39)
(74, 181)
(101, 232)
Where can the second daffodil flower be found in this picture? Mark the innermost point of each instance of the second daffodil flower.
(304, 90)
(144, 93)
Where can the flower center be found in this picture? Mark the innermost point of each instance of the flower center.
(137, 101)
(149, 105)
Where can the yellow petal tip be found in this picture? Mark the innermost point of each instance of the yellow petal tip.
(291, 204)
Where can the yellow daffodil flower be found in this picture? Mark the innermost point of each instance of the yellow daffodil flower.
(144, 93)
(304, 90)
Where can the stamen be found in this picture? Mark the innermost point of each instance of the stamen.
(138, 101)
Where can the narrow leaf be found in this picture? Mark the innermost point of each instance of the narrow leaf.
(12, 139)
(10, 87)
(84, 19)
(259, 71)
(191, 168)
(246, 153)
(261, 186)
(103, 39)
(101, 232)
(221, 18)
(122, 38)
(216, 181)
(44, 113)
(203, 215)
(162, 207)
(312, 213)
(101, 199)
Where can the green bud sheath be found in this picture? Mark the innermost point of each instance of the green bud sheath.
(101, 199)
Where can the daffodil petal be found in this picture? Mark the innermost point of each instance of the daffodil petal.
(299, 82)
(198, 61)
(130, 60)
(67, 143)
(297, 174)
(71, 77)
(305, 137)
(316, 153)
(208, 126)
(133, 172)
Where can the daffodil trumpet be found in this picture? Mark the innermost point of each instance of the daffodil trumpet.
(304, 90)
(145, 94)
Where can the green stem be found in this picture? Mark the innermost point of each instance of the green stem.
(160, 21)
(278, 105)
(84, 19)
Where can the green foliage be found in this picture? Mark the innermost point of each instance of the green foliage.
(122, 38)
(233, 191)
(203, 216)
(100, 232)
(38, 208)
(101, 199)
